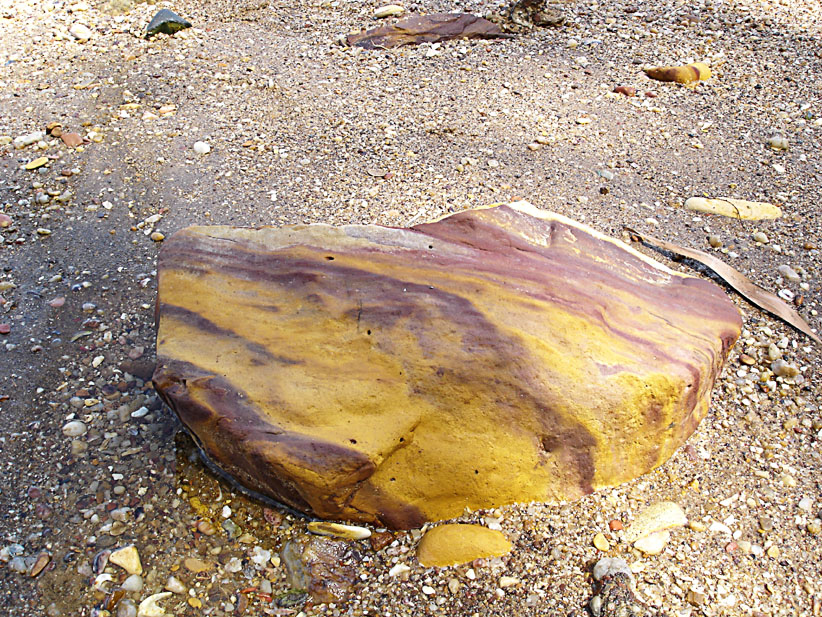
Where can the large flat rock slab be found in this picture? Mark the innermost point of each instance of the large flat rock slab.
(397, 376)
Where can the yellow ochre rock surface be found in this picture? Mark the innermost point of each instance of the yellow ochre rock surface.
(452, 545)
(684, 74)
(397, 376)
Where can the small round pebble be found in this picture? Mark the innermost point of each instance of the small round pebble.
(75, 428)
(201, 147)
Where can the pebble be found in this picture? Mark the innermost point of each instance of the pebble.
(714, 241)
(175, 585)
(654, 543)
(75, 428)
(166, 22)
(777, 142)
(399, 570)
(126, 608)
(601, 542)
(657, 517)
(133, 582)
(127, 558)
(761, 237)
(38, 162)
(260, 556)
(788, 273)
(80, 32)
(206, 528)
(781, 368)
(72, 140)
(156, 236)
(449, 545)
(508, 581)
(201, 147)
(773, 552)
(18, 564)
(389, 10)
(192, 564)
(774, 353)
(40, 563)
(26, 140)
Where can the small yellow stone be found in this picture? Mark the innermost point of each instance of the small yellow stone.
(38, 162)
(156, 236)
(601, 542)
(195, 603)
(199, 507)
(773, 552)
(195, 565)
(452, 545)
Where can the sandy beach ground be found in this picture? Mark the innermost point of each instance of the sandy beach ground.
(301, 130)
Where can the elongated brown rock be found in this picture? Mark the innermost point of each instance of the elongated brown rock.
(397, 376)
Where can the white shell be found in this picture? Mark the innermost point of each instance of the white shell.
(337, 530)
(149, 608)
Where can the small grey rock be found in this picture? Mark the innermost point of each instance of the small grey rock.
(167, 22)
(788, 273)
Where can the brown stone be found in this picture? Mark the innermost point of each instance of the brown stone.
(397, 376)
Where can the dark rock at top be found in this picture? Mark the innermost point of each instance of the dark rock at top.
(167, 22)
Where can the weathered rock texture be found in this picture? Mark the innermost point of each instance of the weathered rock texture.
(397, 376)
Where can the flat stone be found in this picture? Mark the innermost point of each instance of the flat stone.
(452, 545)
(398, 376)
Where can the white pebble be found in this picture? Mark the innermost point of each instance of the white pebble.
(175, 585)
(75, 428)
(26, 140)
(399, 569)
(133, 583)
(260, 556)
(389, 10)
(201, 147)
(788, 273)
(139, 413)
(777, 142)
(80, 32)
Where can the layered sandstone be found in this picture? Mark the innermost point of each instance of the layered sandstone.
(397, 376)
